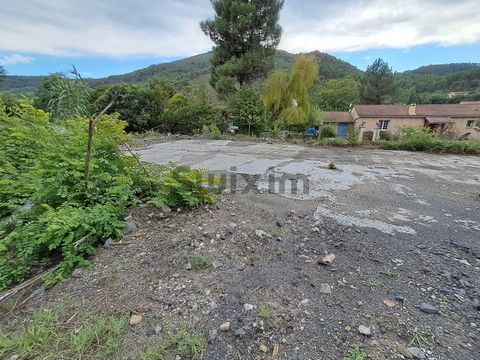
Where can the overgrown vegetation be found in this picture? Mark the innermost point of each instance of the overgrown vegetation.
(355, 353)
(46, 205)
(328, 131)
(416, 138)
(200, 262)
(418, 338)
(48, 336)
(265, 312)
(182, 342)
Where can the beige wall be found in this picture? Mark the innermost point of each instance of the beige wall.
(460, 128)
(371, 124)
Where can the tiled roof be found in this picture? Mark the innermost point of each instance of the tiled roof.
(433, 110)
(337, 116)
(439, 120)
(381, 110)
(460, 110)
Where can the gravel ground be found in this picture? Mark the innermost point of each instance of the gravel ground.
(404, 230)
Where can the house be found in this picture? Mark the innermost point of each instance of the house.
(342, 122)
(454, 94)
(374, 122)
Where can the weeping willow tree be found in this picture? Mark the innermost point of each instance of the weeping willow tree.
(286, 95)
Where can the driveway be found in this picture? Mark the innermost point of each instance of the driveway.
(419, 194)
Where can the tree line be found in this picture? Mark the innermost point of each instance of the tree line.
(243, 89)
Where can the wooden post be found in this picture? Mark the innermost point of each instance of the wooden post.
(88, 160)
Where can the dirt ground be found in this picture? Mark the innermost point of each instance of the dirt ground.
(404, 229)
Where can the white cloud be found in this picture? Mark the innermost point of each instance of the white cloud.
(109, 27)
(14, 59)
(171, 27)
(359, 25)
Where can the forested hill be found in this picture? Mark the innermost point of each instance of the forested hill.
(427, 84)
(195, 68)
(20, 84)
(190, 68)
(443, 69)
(198, 67)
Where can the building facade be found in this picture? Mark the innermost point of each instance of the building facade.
(376, 122)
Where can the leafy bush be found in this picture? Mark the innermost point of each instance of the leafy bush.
(140, 106)
(353, 137)
(158, 106)
(421, 139)
(385, 135)
(45, 204)
(328, 131)
(216, 133)
(213, 131)
(247, 110)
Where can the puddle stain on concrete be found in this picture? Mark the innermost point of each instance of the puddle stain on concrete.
(350, 220)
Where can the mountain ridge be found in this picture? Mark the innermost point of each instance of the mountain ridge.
(192, 68)
(197, 68)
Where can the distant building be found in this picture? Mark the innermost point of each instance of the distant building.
(375, 122)
(453, 94)
(470, 102)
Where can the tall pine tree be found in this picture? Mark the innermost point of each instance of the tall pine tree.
(378, 84)
(246, 34)
(2, 72)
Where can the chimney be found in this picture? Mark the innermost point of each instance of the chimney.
(412, 109)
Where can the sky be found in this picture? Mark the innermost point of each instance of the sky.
(109, 37)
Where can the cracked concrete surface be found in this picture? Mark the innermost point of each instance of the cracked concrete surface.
(388, 191)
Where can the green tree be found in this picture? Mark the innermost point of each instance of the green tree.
(337, 95)
(140, 106)
(247, 110)
(378, 83)
(246, 34)
(2, 72)
(178, 112)
(286, 96)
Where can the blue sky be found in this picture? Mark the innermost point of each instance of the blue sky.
(109, 37)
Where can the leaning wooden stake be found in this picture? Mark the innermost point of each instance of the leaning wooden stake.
(88, 159)
(9, 293)
(91, 129)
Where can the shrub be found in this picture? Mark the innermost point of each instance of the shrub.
(353, 137)
(45, 204)
(332, 166)
(385, 135)
(328, 131)
(421, 139)
(333, 142)
(212, 130)
(140, 106)
(247, 110)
